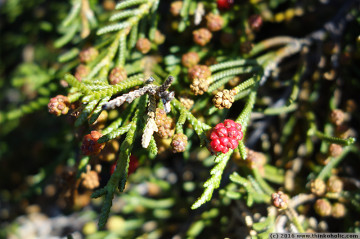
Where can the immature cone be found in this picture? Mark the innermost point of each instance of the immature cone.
(322, 207)
(164, 123)
(90, 180)
(337, 117)
(90, 146)
(81, 72)
(280, 200)
(190, 59)
(175, 8)
(199, 74)
(59, 105)
(179, 143)
(214, 22)
(335, 185)
(117, 75)
(225, 136)
(318, 187)
(202, 36)
(143, 45)
(224, 99)
(88, 54)
(186, 101)
(338, 210)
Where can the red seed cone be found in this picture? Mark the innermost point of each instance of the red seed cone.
(225, 135)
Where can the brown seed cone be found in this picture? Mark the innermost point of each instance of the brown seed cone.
(179, 143)
(214, 22)
(90, 180)
(337, 117)
(199, 74)
(335, 185)
(143, 45)
(117, 75)
(88, 54)
(186, 101)
(338, 210)
(322, 207)
(175, 8)
(280, 200)
(190, 59)
(81, 72)
(202, 36)
(224, 99)
(318, 187)
(59, 105)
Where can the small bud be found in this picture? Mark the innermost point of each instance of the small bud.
(88, 54)
(322, 207)
(255, 22)
(143, 45)
(90, 146)
(202, 36)
(179, 143)
(335, 185)
(59, 105)
(190, 59)
(335, 150)
(338, 210)
(159, 38)
(186, 101)
(117, 75)
(175, 8)
(81, 72)
(337, 117)
(164, 123)
(280, 200)
(318, 187)
(214, 22)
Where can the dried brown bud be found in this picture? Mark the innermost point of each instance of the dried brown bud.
(337, 117)
(322, 207)
(338, 210)
(335, 150)
(190, 59)
(318, 187)
(88, 54)
(175, 8)
(59, 105)
(224, 99)
(335, 185)
(143, 45)
(81, 72)
(179, 143)
(202, 36)
(214, 22)
(280, 200)
(117, 75)
(199, 74)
